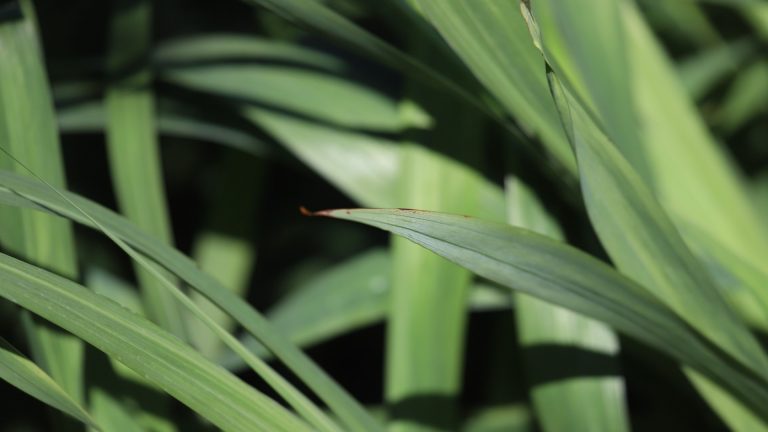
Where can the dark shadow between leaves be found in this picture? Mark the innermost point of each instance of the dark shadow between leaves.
(10, 10)
(548, 363)
(434, 410)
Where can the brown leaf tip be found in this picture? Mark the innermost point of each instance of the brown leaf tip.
(310, 213)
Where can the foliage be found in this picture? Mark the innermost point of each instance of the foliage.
(576, 194)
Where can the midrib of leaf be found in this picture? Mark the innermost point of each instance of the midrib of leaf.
(28, 128)
(133, 150)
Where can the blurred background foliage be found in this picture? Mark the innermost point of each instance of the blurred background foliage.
(258, 116)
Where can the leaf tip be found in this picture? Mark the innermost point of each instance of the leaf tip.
(322, 213)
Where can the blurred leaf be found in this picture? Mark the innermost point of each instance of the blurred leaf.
(365, 167)
(512, 418)
(546, 333)
(225, 249)
(17, 191)
(265, 75)
(682, 20)
(23, 374)
(133, 150)
(701, 72)
(212, 392)
(745, 98)
(28, 129)
(426, 320)
(346, 297)
(114, 288)
(89, 117)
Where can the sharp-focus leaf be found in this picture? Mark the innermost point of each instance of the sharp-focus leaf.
(675, 157)
(561, 275)
(346, 408)
(212, 392)
(478, 32)
(646, 246)
(575, 402)
(23, 374)
(587, 49)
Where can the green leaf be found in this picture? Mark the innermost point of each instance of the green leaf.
(675, 157)
(318, 17)
(26, 192)
(133, 150)
(209, 390)
(478, 32)
(509, 418)
(586, 47)
(90, 118)
(23, 374)
(645, 245)
(224, 248)
(303, 86)
(574, 402)
(427, 317)
(349, 296)
(684, 21)
(365, 167)
(745, 98)
(564, 276)
(28, 129)
(702, 71)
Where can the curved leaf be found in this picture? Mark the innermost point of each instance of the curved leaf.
(18, 191)
(186, 375)
(578, 402)
(478, 32)
(29, 378)
(562, 275)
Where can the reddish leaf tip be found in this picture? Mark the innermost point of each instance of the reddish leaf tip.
(310, 213)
